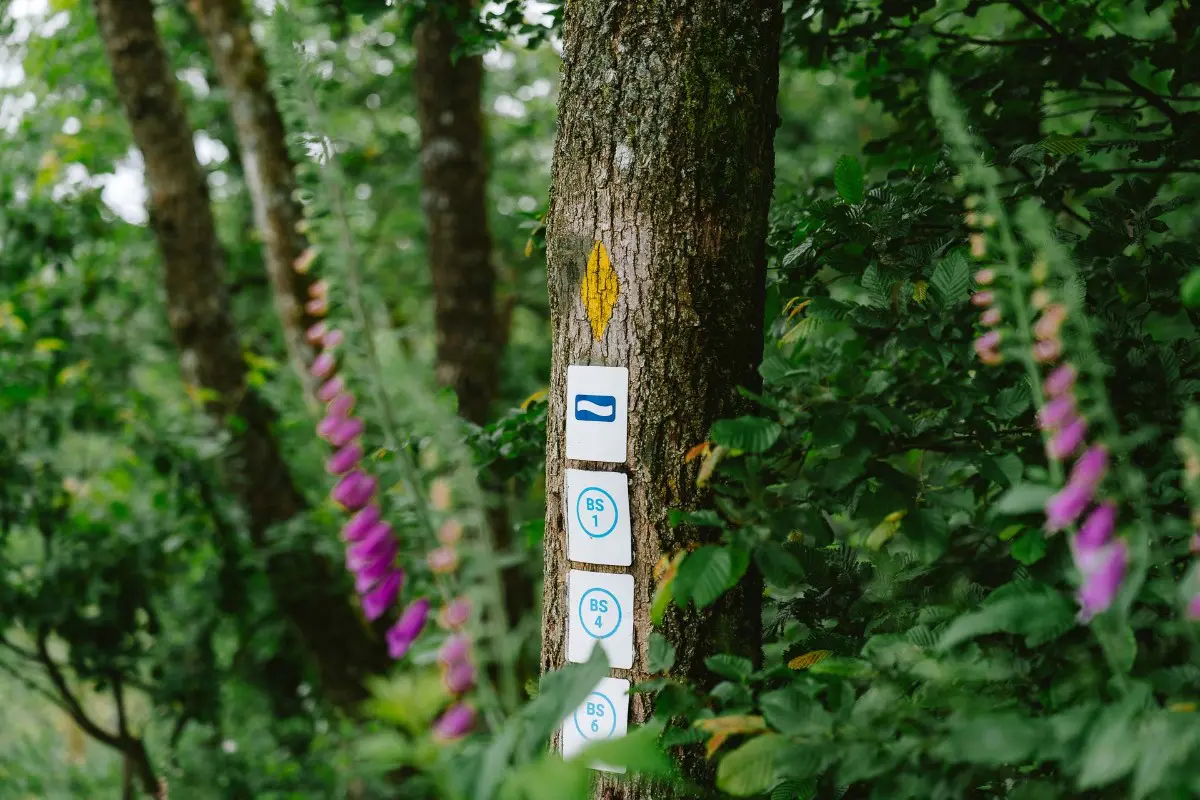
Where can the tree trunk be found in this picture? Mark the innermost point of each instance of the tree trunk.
(664, 156)
(307, 588)
(470, 333)
(268, 168)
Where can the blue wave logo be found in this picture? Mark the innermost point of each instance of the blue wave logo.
(595, 407)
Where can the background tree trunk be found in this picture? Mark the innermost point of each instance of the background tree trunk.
(268, 168)
(471, 335)
(664, 154)
(307, 588)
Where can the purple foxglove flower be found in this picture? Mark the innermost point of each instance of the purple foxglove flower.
(323, 366)
(983, 299)
(455, 723)
(401, 636)
(1193, 608)
(454, 649)
(989, 341)
(1067, 440)
(331, 389)
(1056, 413)
(341, 406)
(451, 532)
(333, 339)
(991, 317)
(377, 545)
(327, 426)
(377, 601)
(318, 288)
(1051, 321)
(1065, 507)
(456, 613)
(1101, 585)
(354, 491)
(1097, 529)
(315, 334)
(317, 307)
(1194, 545)
(1090, 468)
(991, 357)
(369, 575)
(361, 523)
(344, 431)
(443, 560)
(1059, 381)
(985, 277)
(345, 459)
(459, 677)
(1047, 350)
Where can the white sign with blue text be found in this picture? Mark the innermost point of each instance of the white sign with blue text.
(598, 530)
(603, 715)
(597, 413)
(601, 608)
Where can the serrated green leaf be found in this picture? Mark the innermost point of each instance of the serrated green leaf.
(1024, 498)
(951, 279)
(704, 575)
(639, 752)
(750, 769)
(748, 434)
(1020, 608)
(848, 179)
(729, 666)
(662, 653)
(1030, 548)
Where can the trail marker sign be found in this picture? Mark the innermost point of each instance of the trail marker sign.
(597, 413)
(603, 715)
(598, 530)
(601, 608)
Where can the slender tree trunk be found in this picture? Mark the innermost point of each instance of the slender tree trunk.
(664, 156)
(268, 167)
(470, 334)
(307, 588)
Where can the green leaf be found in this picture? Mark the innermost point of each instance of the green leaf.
(728, 666)
(991, 739)
(559, 693)
(662, 653)
(795, 790)
(1190, 291)
(704, 575)
(793, 713)
(748, 434)
(750, 769)
(951, 279)
(548, 778)
(1026, 608)
(1030, 548)
(848, 178)
(1024, 498)
(877, 289)
(639, 752)
(1111, 751)
(777, 564)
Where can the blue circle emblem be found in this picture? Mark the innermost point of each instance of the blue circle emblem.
(594, 721)
(596, 512)
(600, 613)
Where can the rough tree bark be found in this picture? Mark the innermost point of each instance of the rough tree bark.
(664, 156)
(471, 333)
(307, 588)
(267, 165)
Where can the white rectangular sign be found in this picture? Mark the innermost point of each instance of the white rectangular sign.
(597, 413)
(603, 715)
(601, 608)
(598, 529)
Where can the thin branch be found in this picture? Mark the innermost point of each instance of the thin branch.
(73, 706)
(119, 697)
(34, 686)
(1141, 91)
